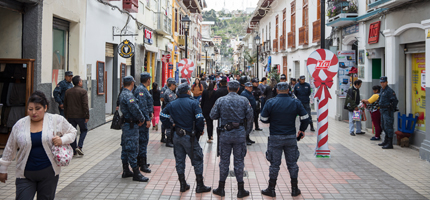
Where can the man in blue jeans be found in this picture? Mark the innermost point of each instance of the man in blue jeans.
(77, 112)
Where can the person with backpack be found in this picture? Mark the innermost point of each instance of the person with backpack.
(351, 104)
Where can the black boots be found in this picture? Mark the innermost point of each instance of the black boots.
(184, 186)
(295, 191)
(241, 192)
(169, 141)
(384, 142)
(200, 185)
(248, 140)
(312, 127)
(220, 190)
(389, 144)
(126, 171)
(270, 191)
(137, 176)
(144, 166)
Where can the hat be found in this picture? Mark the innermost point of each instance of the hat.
(224, 80)
(283, 77)
(248, 84)
(353, 70)
(69, 73)
(184, 80)
(383, 79)
(128, 79)
(233, 84)
(282, 86)
(254, 80)
(303, 77)
(171, 81)
(145, 75)
(183, 88)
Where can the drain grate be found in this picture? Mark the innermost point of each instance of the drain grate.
(232, 174)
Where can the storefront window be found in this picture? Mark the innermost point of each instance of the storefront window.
(419, 89)
(59, 50)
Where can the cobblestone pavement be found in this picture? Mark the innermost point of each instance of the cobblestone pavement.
(358, 169)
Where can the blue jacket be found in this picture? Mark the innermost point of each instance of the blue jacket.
(388, 99)
(60, 91)
(302, 92)
(142, 101)
(250, 98)
(184, 111)
(129, 106)
(281, 112)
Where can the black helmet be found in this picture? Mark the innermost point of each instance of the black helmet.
(243, 80)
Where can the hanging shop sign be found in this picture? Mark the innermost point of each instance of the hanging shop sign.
(419, 89)
(323, 65)
(350, 29)
(346, 62)
(148, 37)
(126, 49)
(374, 32)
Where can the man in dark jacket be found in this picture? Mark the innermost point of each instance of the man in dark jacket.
(256, 92)
(77, 112)
(283, 78)
(242, 81)
(302, 90)
(222, 90)
(248, 94)
(351, 103)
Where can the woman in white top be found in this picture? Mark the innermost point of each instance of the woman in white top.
(33, 135)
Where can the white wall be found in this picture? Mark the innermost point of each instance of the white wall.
(10, 34)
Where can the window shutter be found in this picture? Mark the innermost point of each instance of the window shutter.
(60, 24)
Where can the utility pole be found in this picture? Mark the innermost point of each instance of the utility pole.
(322, 17)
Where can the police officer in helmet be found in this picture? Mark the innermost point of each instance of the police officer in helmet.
(187, 118)
(281, 112)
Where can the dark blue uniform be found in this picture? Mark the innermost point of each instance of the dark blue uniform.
(281, 113)
(60, 92)
(130, 131)
(142, 101)
(184, 111)
(302, 92)
(387, 103)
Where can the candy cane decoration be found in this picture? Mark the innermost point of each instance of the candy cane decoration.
(323, 65)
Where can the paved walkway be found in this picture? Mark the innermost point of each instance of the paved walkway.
(358, 169)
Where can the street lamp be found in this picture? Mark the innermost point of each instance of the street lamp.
(257, 41)
(186, 20)
(206, 58)
(213, 61)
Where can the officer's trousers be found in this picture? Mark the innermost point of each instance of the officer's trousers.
(278, 144)
(182, 147)
(143, 140)
(308, 110)
(235, 141)
(387, 122)
(130, 144)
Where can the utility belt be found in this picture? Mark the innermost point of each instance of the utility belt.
(130, 121)
(230, 126)
(182, 132)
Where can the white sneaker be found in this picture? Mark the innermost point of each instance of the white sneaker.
(209, 141)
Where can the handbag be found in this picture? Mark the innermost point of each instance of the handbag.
(62, 154)
(116, 121)
(356, 115)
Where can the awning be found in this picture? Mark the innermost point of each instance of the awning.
(151, 48)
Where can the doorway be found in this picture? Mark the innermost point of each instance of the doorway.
(109, 85)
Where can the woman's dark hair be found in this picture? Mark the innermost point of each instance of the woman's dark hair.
(38, 97)
(200, 84)
(377, 88)
(154, 86)
(211, 89)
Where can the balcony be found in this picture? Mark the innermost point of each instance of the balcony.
(163, 24)
(130, 5)
(316, 31)
(282, 43)
(303, 35)
(267, 46)
(275, 45)
(291, 40)
(341, 13)
(385, 3)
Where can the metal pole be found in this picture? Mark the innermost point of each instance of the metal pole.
(258, 77)
(322, 17)
(186, 43)
(206, 66)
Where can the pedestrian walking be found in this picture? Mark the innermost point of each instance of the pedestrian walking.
(222, 90)
(36, 169)
(145, 102)
(169, 96)
(375, 114)
(77, 112)
(247, 93)
(60, 90)
(256, 92)
(208, 101)
(281, 112)
(302, 91)
(235, 116)
(388, 104)
(186, 116)
(197, 89)
(155, 93)
(293, 83)
(263, 86)
(133, 118)
(351, 104)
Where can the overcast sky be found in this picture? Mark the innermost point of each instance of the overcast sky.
(230, 4)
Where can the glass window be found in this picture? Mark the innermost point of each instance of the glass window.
(59, 50)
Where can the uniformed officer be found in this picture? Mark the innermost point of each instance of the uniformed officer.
(282, 78)
(186, 113)
(133, 118)
(145, 103)
(302, 92)
(388, 105)
(256, 92)
(281, 113)
(248, 94)
(169, 96)
(163, 129)
(242, 81)
(232, 111)
(60, 90)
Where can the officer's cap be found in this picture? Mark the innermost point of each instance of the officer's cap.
(184, 80)
(171, 81)
(145, 75)
(183, 88)
(224, 80)
(254, 80)
(283, 76)
(69, 73)
(383, 79)
(302, 77)
(233, 84)
(128, 79)
(248, 84)
(282, 86)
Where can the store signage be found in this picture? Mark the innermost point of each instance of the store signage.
(351, 29)
(374, 32)
(323, 64)
(148, 36)
(126, 49)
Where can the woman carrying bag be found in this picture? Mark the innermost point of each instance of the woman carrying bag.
(34, 136)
